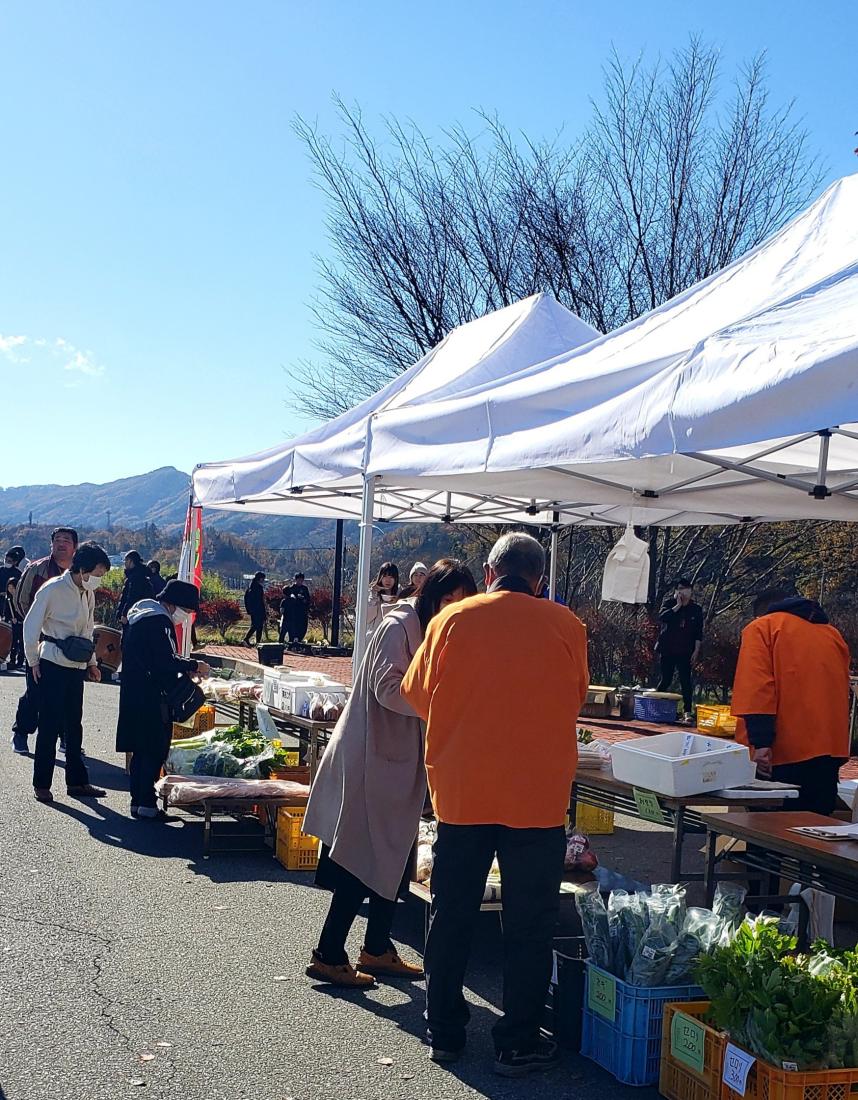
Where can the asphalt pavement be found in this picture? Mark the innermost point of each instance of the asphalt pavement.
(131, 967)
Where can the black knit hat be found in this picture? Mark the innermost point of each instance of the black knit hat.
(181, 594)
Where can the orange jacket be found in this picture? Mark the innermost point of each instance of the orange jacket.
(799, 672)
(499, 680)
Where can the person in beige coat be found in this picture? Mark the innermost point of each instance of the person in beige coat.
(370, 789)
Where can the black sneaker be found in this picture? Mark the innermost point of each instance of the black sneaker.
(444, 1057)
(515, 1063)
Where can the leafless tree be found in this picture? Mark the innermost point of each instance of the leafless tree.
(669, 183)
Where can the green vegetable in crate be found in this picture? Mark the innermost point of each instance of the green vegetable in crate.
(585, 736)
(765, 996)
(594, 921)
(652, 960)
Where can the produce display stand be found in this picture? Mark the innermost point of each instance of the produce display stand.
(233, 810)
(312, 736)
(598, 787)
(778, 853)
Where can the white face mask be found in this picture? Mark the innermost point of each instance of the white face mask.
(92, 583)
(181, 617)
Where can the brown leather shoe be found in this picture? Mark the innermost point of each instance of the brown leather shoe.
(86, 791)
(389, 965)
(43, 794)
(345, 975)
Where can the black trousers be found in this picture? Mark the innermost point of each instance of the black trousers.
(349, 895)
(145, 769)
(817, 783)
(531, 865)
(257, 626)
(677, 663)
(16, 657)
(60, 714)
(27, 715)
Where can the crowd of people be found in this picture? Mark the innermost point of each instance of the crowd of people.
(450, 679)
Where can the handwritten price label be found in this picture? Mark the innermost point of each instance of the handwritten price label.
(737, 1065)
(648, 806)
(602, 994)
(687, 1041)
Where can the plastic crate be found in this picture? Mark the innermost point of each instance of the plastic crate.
(629, 1045)
(295, 849)
(717, 721)
(678, 1081)
(655, 710)
(566, 992)
(765, 1082)
(201, 722)
(593, 821)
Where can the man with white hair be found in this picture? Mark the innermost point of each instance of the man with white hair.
(499, 680)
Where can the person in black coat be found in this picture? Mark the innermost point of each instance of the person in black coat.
(254, 605)
(138, 586)
(150, 667)
(155, 579)
(295, 610)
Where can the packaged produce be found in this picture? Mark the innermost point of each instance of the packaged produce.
(579, 855)
(594, 921)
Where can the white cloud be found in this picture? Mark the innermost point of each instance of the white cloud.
(10, 344)
(74, 360)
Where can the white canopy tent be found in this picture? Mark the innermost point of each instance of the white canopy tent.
(322, 473)
(737, 400)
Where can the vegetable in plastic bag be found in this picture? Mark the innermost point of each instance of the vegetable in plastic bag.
(727, 906)
(653, 957)
(634, 921)
(668, 902)
(686, 951)
(594, 921)
(579, 855)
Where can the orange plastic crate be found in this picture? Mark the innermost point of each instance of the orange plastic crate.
(295, 849)
(765, 1082)
(677, 1081)
(716, 721)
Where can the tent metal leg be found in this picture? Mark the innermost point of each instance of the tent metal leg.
(552, 565)
(364, 556)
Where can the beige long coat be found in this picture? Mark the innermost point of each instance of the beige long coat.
(370, 789)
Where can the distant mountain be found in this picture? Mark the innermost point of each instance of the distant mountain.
(159, 497)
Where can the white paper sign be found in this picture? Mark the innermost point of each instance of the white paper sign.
(737, 1065)
(688, 744)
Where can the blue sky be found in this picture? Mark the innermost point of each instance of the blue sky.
(159, 224)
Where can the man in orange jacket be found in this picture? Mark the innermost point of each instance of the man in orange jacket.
(499, 680)
(791, 696)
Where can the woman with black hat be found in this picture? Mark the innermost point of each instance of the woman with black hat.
(150, 667)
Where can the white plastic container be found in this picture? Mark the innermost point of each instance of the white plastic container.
(295, 697)
(682, 764)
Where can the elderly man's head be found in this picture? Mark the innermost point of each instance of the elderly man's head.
(517, 555)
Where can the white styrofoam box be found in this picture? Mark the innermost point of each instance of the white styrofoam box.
(682, 763)
(295, 697)
(270, 687)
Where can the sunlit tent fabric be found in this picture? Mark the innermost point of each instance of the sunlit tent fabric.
(321, 473)
(716, 407)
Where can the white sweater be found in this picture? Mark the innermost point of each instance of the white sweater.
(61, 610)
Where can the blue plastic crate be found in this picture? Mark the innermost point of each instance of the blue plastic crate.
(655, 710)
(629, 1046)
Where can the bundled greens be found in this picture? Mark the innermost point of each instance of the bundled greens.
(781, 1005)
(651, 939)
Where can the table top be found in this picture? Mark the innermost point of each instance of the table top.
(602, 779)
(773, 831)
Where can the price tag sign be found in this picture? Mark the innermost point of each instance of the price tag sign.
(737, 1065)
(648, 806)
(687, 1041)
(602, 994)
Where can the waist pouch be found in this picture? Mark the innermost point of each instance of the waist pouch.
(74, 648)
